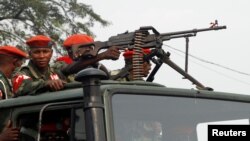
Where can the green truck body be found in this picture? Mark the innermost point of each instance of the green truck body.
(131, 111)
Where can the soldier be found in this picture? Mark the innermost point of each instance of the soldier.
(77, 46)
(38, 76)
(10, 59)
(126, 73)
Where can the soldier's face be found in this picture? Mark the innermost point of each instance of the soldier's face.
(78, 51)
(41, 57)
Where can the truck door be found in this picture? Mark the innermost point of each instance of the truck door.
(62, 121)
(151, 117)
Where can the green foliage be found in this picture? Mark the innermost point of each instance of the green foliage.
(20, 19)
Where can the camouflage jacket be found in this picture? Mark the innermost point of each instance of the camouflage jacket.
(59, 65)
(5, 87)
(29, 81)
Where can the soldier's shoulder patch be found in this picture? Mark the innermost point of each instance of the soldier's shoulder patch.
(18, 80)
(21, 77)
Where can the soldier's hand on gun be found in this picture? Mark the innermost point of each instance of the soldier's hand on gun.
(55, 85)
(111, 53)
(9, 133)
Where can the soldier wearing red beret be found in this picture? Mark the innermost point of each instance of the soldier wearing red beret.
(126, 73)
(38, 76)
(10, 58)
(77, 46)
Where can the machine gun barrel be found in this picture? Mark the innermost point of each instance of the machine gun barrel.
(193, 31)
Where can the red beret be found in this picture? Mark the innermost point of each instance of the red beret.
(65, 59)
(39, 41)
(129, 53)
(13, 51)
(77, 39)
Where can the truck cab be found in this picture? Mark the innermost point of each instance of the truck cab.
(100, 110)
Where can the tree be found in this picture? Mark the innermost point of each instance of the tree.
(20, 19)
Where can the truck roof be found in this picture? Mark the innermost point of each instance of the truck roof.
(74, 91)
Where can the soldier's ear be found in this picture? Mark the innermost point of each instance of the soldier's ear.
(18, 62)
(15, 60)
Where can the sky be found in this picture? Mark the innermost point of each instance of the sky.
(218, 59)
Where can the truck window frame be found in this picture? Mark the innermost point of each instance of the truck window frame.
(17, 112)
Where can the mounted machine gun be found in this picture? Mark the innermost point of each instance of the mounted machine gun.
(142, 38)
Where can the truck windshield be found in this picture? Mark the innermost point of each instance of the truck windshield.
(166, 118)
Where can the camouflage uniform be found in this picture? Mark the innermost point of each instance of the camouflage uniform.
(60, 63)
(29, 80)
(5, 87)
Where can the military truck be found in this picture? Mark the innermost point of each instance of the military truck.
(106, 110)
(97, 109)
